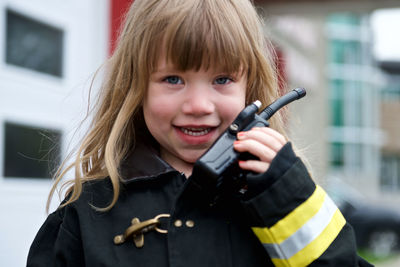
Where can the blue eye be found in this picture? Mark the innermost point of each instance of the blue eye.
(223, 80)
(173, 80)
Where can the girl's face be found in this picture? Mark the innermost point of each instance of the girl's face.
(186, 111)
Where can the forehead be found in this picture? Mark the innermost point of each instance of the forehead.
(206, 60)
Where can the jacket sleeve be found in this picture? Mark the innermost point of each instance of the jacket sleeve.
(55, 244)
(295, 220)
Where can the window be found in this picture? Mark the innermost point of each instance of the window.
(345, 51)
(30, 152)
(337, 102)
(391, 92)
(337, 154)
(345, 19)
(390, 172)
(33, 45)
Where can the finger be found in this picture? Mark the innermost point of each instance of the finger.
(254, 166)
(279, 137)
(263, 138)
(264, 153)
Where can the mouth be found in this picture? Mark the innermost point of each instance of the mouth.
(196, 135)
(195, 131)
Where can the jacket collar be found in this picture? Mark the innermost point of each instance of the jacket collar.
(144, 163)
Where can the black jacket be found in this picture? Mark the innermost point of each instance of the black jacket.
(234, 232)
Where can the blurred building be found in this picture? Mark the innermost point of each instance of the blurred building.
(49, 52)
(354, 83)
(53, 48)
(390, 123)
(347, 125)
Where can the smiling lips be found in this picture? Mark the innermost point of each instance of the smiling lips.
(195, 131)
(195, 135)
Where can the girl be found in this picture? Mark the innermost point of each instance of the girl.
(182, 71)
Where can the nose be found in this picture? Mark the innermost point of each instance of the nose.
(198, 101)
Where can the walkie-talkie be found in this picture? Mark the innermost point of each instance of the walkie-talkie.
(219, 164)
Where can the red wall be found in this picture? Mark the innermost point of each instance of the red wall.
(118, 8)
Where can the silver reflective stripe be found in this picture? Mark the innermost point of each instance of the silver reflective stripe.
(307, 233)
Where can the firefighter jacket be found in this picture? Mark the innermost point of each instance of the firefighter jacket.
(284, 219)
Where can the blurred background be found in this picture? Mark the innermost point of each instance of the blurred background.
(346, 53)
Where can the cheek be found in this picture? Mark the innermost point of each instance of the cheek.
(230, 109)
(157, 113)
(237, 103)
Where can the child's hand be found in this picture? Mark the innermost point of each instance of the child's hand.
(263, 143)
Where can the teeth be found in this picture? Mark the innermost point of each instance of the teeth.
(196, 131)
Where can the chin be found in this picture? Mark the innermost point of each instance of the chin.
(193, 157)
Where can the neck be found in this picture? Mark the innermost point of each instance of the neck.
(177, 164)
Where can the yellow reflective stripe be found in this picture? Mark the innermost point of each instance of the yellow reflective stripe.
(318, 246)
(293, 221)
(305, 233)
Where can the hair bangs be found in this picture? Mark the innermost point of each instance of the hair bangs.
(205, 40)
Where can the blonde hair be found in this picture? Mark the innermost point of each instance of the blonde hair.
(196, 34)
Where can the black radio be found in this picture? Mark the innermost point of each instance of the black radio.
(218, 167)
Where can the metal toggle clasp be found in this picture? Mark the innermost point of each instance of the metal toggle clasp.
(137, 229)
